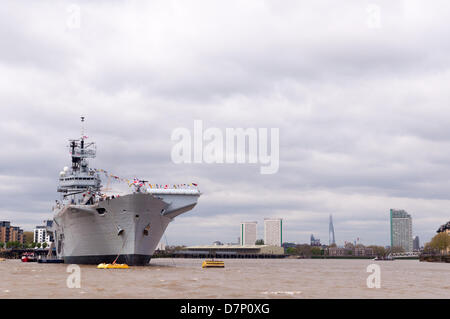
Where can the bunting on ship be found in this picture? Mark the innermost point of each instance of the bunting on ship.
(140, 183)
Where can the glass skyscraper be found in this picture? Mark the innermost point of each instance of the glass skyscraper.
(401, 230)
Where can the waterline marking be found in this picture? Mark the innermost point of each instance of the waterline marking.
(74, 279)
(239, 146)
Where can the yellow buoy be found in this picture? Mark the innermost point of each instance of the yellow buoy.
(213, 264)
(112, 266)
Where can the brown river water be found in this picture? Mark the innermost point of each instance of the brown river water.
(241, 278)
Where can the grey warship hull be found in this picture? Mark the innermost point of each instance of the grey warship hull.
(124, 229)
(90, 227)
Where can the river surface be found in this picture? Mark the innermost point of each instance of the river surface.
(241, 278)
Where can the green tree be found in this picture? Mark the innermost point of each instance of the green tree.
(38, 245)
(291, 251)
(379, 251)
(44, 245)
(316, 251)
(427, 248)
(259, 242)
(303, 250)
(440, 242)
(28, 237)
(13, 244)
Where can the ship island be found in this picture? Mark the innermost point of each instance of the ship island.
(91, 227)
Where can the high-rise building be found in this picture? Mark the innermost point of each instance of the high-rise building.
(273, 231)
(416, 244)
(4, 231)
(332, 240)
(401, 230)
(248, 233)
(40, 234)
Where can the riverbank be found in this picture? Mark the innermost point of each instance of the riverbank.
(342, 257)
(17, 253)
(435, 258)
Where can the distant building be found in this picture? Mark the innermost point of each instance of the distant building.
(338, 251)
(416, 244)
(41, 235)
(16, 235)
(4, 231)
(10, 233)
(332, 239)
(351, 251)
(273, 231)
(161, 246)
(363, 251)
(248, 233)
(401, 230)
(232, 251)
(315, 241)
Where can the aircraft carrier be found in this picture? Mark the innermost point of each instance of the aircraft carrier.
(91, 227)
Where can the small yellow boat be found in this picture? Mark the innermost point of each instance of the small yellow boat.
(2, 259)
(112, 266)
(213, 264)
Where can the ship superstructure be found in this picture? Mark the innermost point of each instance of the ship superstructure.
(90, 227)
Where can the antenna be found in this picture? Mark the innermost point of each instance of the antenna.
(82, 126)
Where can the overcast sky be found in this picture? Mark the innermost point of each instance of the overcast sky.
(358, 89)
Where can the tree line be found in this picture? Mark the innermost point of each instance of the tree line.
(17, 244)
(438, 244)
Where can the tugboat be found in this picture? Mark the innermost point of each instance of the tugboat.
(28, 257)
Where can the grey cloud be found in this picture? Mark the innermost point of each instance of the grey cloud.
(362, 112)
